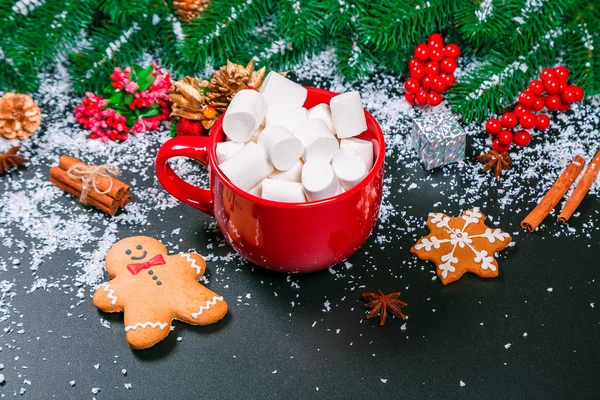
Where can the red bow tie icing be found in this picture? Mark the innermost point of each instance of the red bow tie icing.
(134, 268)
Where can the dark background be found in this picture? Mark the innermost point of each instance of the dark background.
(267, 348)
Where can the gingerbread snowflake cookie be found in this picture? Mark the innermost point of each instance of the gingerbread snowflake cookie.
(153, 288)
(461, 244)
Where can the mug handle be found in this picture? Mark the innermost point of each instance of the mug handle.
(195, 147)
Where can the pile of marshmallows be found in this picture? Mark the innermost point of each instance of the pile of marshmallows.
(280, 151)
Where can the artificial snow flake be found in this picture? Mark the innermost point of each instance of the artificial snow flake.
(461, 244)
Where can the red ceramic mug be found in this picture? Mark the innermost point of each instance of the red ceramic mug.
(287, 237)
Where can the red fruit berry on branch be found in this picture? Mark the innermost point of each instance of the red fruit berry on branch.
(435, 40)
(552, 86)
(434, 99)
(538, 104)
(499, 147)
(527, 98)
(449, 79)
(438, 84)
(547, 73)
(522, 138)
(421, 97)
(564, 107)
(561, 73)
(187, 127)
(578, 93)
(432, 68)
(422, 52)
(436, 55)
(411, 85)
(448, 65)
(553, 102)
(527, 121)
(568, 95)
(505, 138)
(426, 82)
(542, 122)
(493, 126)
(417, 71)
(410, 98)
(508, 120)
(536, 86)
(452, 51)
(413, 61)
(521, 110)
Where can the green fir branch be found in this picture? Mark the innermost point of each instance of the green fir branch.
(120, 12)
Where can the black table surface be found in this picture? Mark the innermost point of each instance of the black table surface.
(533, 332)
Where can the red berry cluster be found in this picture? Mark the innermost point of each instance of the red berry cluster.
(431, 71)
(552, 92)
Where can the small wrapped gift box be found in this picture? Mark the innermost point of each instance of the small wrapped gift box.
(438, 139)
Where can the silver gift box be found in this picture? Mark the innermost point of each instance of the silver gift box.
(438, 139)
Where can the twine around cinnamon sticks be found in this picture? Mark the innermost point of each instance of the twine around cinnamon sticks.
(560, 188)
(93, 185)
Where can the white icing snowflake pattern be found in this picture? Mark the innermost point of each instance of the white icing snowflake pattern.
(461, 238)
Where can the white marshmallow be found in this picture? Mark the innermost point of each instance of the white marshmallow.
(349, 167)
(248, 167)
(277, 89)
(339, 189)
(322, 112)
(227, 149)
(256, 134)
(245, 113)
(285, 191)
(319, 141)
(348, 115)
(293, 174)
(318, 180)
(283, 148)
(256, 190)
(364, 148)
(287, 116)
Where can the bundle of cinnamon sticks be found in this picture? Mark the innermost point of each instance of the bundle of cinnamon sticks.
(560, 188)
(107, 193)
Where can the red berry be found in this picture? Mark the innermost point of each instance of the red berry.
(561, 73)
(436, 55)
(522, 138)
(434, 99)
(552, 86)
(452, 51)
(413, 61)
(578, 93)
(547, 73)
(536, 86)
(499, 147)
(422, 52)
(411, 85)
(187, 127)
(505, 138)
(527, 98)
(527, 121)
(564, 107)
(432, 68)
(448, 78)
(435, 41)
(448, 65)
(410, 98)
(493, 126)
(568, 95)
(553, 102)
(426, 82)
(538, 104)
(438, 84)
(508, 120)
(521, 110)
(542, 122)
(562, 85)
(417, 71)
(421, 97)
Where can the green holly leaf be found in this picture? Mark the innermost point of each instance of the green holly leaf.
(128, 98)
(173, 130)
(115, 99)
(145, 78)
(130, 120)
(150, 112)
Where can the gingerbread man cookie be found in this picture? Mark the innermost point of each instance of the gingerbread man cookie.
(153, 288)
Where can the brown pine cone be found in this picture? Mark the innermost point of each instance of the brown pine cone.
(19, 116)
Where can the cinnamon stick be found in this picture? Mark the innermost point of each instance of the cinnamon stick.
(61, 176)
(586, 181)
(554, 194)
(125, 200)
(119, 189)
(112, 210)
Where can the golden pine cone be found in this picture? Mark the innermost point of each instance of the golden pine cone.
(229, 80)
(188, 99)
(187, 10)
(19, 116)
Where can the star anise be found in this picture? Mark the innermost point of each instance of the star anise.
(496, 160)
(10, 160)
(380, 303)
